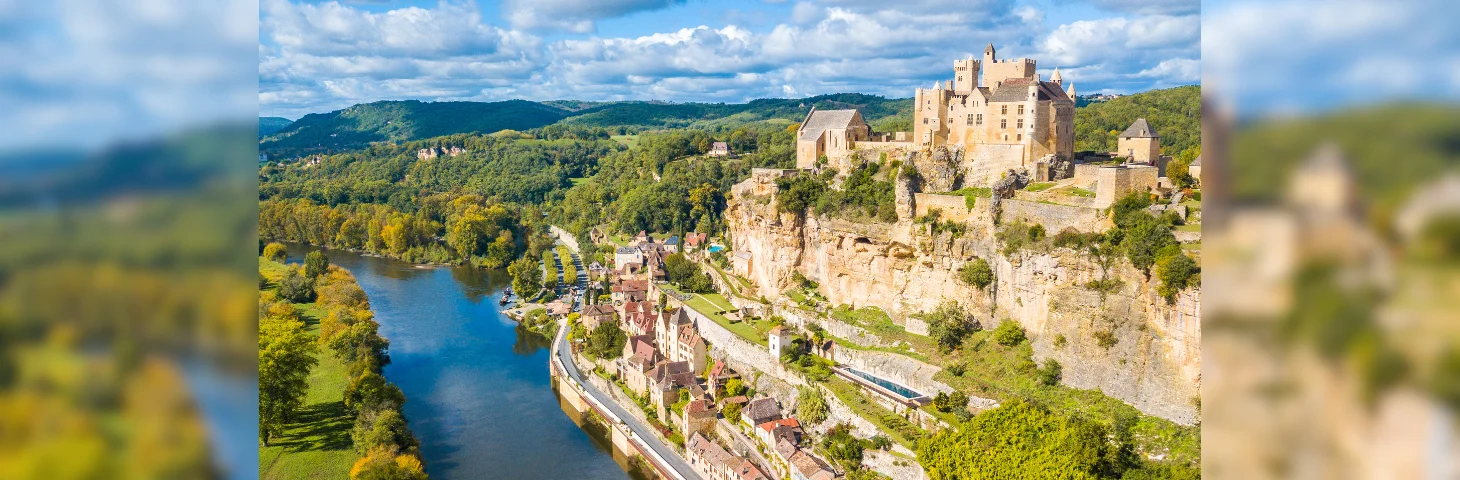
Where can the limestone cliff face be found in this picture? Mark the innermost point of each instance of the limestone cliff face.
(1154, 363)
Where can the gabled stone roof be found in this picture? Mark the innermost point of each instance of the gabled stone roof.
(762, 409)
(1139, 129)
(822, 120)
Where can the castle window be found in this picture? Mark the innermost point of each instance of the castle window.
(970, 119)
(1020, 124)
(1021, 109)
(925, 121)
(1003, 123)
(978, 120)
(1006, 110)
(1019, 137)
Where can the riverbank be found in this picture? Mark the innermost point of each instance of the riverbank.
(318, 444)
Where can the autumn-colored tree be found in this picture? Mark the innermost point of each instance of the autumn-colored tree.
(275, 251)
(382, 464)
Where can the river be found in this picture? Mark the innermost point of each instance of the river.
(478, 392)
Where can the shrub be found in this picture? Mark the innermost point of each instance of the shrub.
(977, 273)
(1009, 333)
(948, 326)
(1175, 271)
(956, 369)
(1059, 340)
(1049, 373)
(949, 402)
(275, 251)
(1105, 338)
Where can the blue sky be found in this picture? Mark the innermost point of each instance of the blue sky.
(322, 56)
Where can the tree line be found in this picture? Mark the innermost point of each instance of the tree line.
(348, 330)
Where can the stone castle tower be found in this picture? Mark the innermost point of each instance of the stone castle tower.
(999, 112)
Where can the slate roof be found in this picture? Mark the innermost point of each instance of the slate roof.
(1197, 162)
(811, 467)
(627, 250)
(1017, 90)
(822, 120)
(761, 410)
(711, 453)
(673, 240)
(1140, 129)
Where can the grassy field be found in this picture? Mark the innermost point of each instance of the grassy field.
(754, 331)
(1039, 186)
(317, 444)
(627, 140)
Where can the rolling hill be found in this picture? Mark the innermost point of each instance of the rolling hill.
(269, 125)
(400, 121)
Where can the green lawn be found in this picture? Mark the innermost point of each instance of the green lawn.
(754, 331)
(1039, 186)
(627, 140)
(577, 180)
(1190, 227)
(318, 444)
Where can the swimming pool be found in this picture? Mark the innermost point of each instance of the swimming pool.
(907, 393)
(715, 248)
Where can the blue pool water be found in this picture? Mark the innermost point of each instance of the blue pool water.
(715, 248)
(898, 389)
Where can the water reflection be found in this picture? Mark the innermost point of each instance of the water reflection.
(479, 395)
(529, 342)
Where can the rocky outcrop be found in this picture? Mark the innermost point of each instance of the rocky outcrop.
(1153, 364)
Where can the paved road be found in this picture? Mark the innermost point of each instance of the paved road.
(643, 432)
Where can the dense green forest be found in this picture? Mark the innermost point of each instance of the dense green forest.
(1373, 139)
(269, 125)
(1175, 114)
(401, 121)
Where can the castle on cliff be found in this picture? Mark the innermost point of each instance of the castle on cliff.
(996, 112)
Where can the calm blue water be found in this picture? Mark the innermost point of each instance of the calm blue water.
(884, 383)
(478, 391)
(715, 248)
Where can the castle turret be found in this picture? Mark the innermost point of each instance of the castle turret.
(1056, 79)
(1071, 91)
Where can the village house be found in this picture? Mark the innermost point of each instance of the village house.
(639, 358)
(665, 381)
(624, 290)
(597, 271)
(597, 314)
(713, 462)
(680, 339)
(760, 410)
(639, 318)
(671, 244)
(624, 256)
(805, 466)
(719, 373)
(720, 149)
(694, 241)
(699, 416)
(774, 431)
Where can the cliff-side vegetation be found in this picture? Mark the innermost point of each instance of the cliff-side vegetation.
(861, 197)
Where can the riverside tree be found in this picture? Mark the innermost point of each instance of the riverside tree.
(286, 353)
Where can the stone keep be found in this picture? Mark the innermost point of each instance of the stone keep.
(1139, 143)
